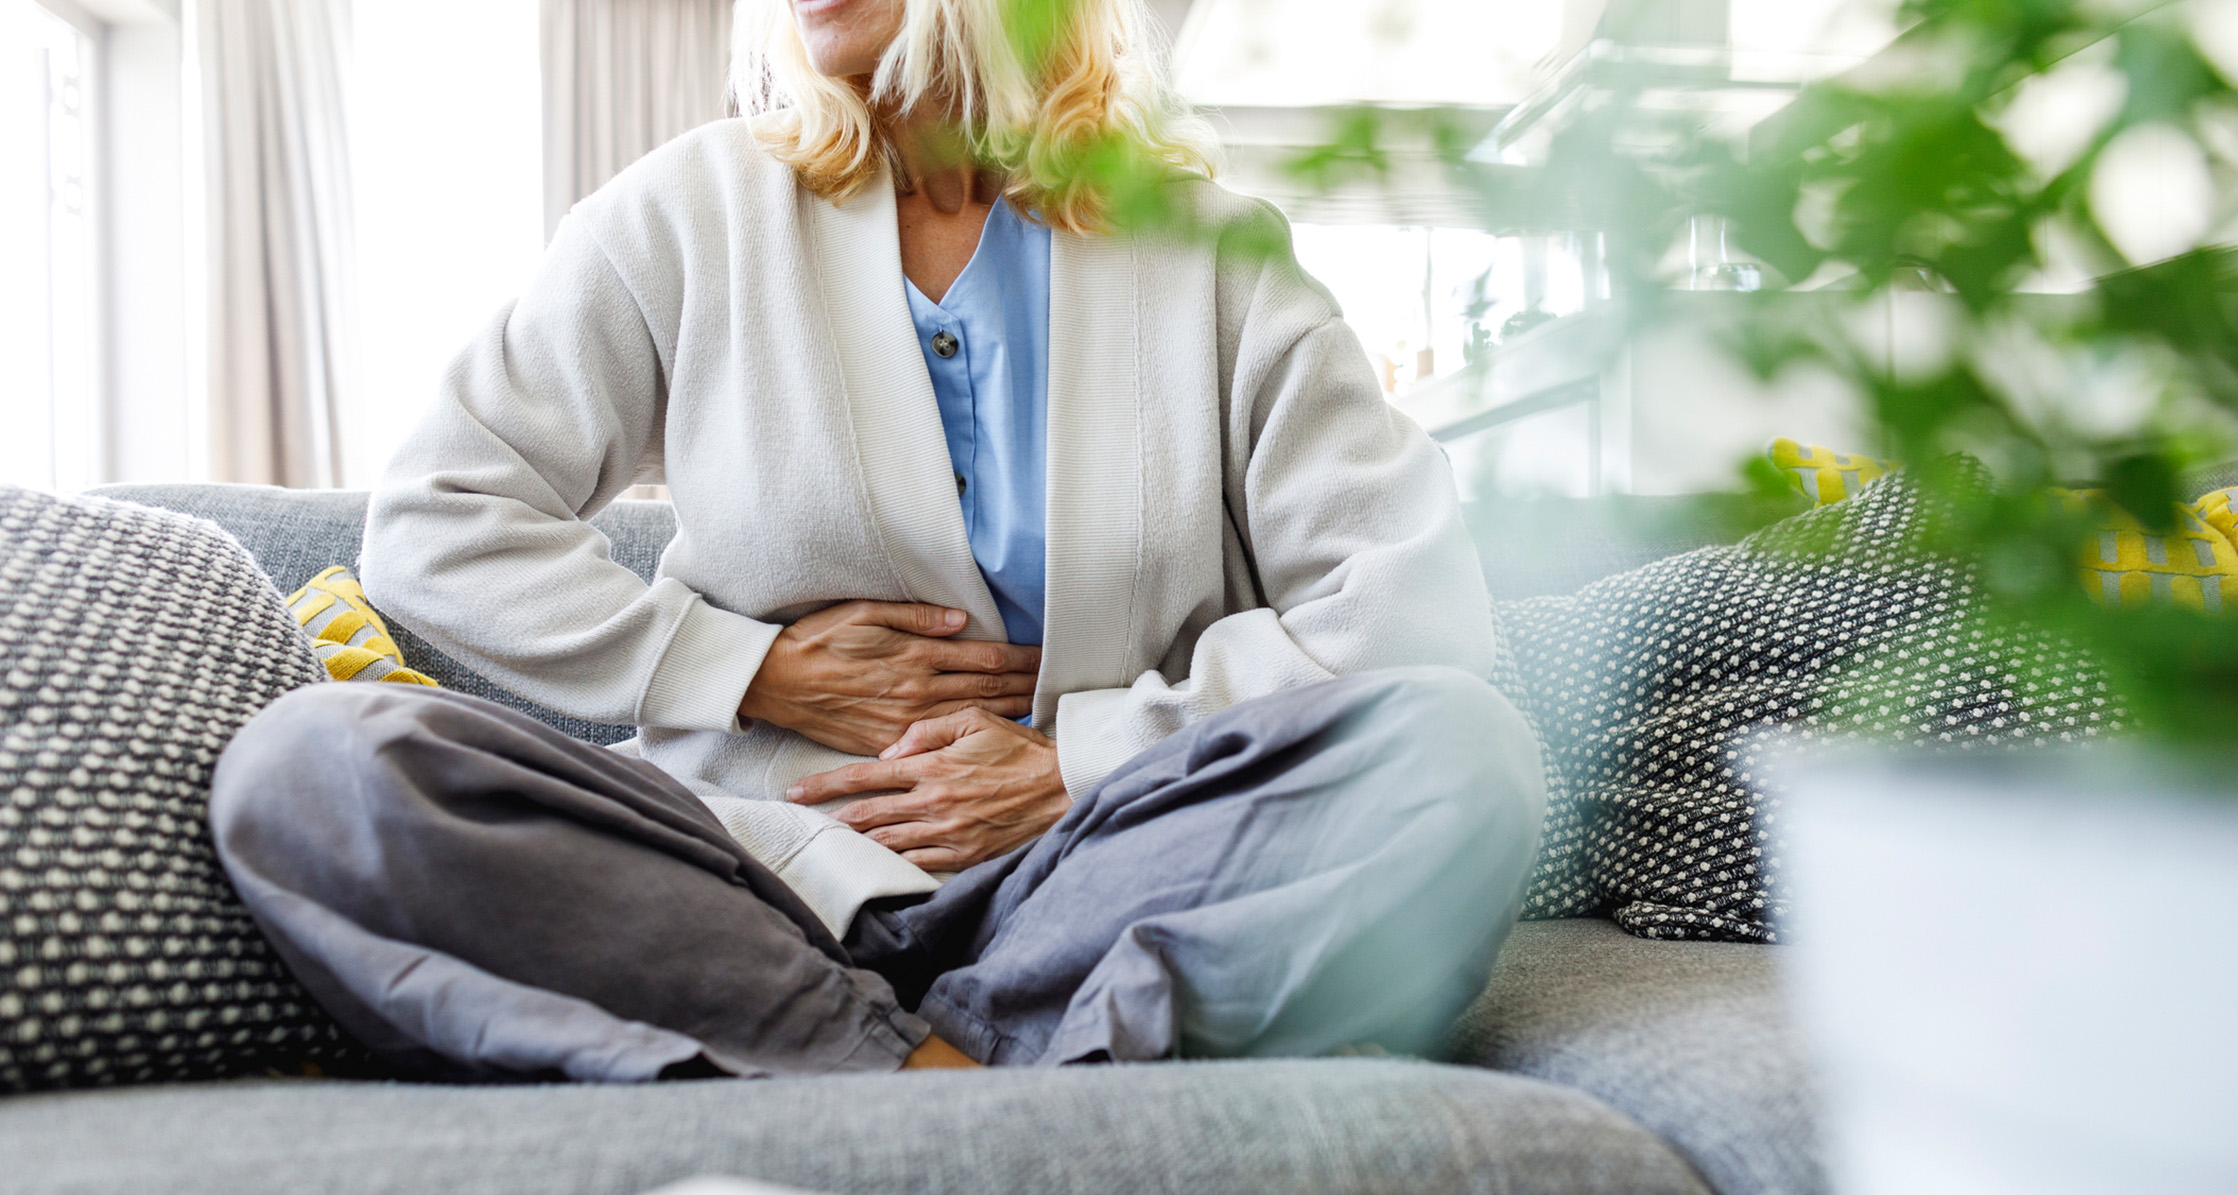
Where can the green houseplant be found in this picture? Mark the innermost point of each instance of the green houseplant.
(1988, 1016)
(2076, 341)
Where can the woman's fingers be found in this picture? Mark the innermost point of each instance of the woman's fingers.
(952, 656)
(932, 734)
(854, 676)
(938, 858)
(913, 617)
(903, 836)
(872, 812)
(976, 686)
(1001, 707)
(881, 776)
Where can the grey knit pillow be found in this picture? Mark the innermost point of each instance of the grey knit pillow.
(1653, 691)
(133, 644)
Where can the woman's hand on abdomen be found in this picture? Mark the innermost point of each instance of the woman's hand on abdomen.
(961, 790)
(855, 676)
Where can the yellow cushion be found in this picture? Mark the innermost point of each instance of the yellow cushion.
(2219, 510)
(347, 634)
(1822, 474)
(2195, 565)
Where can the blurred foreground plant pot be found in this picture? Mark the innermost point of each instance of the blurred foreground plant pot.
(2020, 974)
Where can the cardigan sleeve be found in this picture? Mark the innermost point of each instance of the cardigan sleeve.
(1352, 526)
(475, 538)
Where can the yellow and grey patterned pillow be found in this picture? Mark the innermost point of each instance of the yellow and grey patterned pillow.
(2195, 565)
(347, 634)
(1822, 474)
(2219, 510)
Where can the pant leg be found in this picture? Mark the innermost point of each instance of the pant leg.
(474, 894)
(1329, 866)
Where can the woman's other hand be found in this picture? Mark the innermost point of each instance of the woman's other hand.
(856, 675)
(971, 786)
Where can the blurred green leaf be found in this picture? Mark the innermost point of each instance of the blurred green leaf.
(2144, 485)
(1903, 179)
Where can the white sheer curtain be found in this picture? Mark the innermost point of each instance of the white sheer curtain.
(620, 78)
(278, 180)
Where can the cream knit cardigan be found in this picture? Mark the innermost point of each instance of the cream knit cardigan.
(1233, 507)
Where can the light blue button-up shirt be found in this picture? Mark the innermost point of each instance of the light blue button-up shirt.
(986, 345)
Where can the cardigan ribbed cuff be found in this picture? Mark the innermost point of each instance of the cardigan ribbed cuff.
(703, 675)
(1093, 738)
(841, 870)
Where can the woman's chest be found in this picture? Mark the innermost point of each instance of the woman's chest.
(804, 447)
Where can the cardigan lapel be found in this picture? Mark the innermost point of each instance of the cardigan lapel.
(1095, 451)
(899, 445)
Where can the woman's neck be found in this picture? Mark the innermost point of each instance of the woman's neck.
(936, 163)
(944, 201)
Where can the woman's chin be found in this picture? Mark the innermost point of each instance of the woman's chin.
(844, 38)
(840, 61)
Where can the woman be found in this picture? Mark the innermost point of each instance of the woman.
(946, 452)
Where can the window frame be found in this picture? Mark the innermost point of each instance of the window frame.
(144, 231)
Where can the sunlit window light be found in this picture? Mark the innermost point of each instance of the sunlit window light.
(50, 408)
(446, 145)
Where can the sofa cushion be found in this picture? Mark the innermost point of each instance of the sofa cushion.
(296, 534)
(347, 633)
(133, 643)
(1652, 692)
(1330, 1125)
(1528, 547)
(1691, 1039)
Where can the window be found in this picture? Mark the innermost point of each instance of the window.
(446, 143)
(49, 270)
(1415, 296)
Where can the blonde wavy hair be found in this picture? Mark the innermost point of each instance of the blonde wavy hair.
(1067, 98)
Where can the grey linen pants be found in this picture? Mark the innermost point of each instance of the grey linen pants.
(474, 895)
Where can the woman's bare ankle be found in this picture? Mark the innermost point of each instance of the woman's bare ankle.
(934, 1052)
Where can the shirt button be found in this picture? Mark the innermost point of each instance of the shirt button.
(959, 485)
(944, 344)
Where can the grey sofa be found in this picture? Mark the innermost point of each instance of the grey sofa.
(1594, 1062)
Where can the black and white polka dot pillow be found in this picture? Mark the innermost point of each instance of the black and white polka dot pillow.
(1654, 692)
(133, 644)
